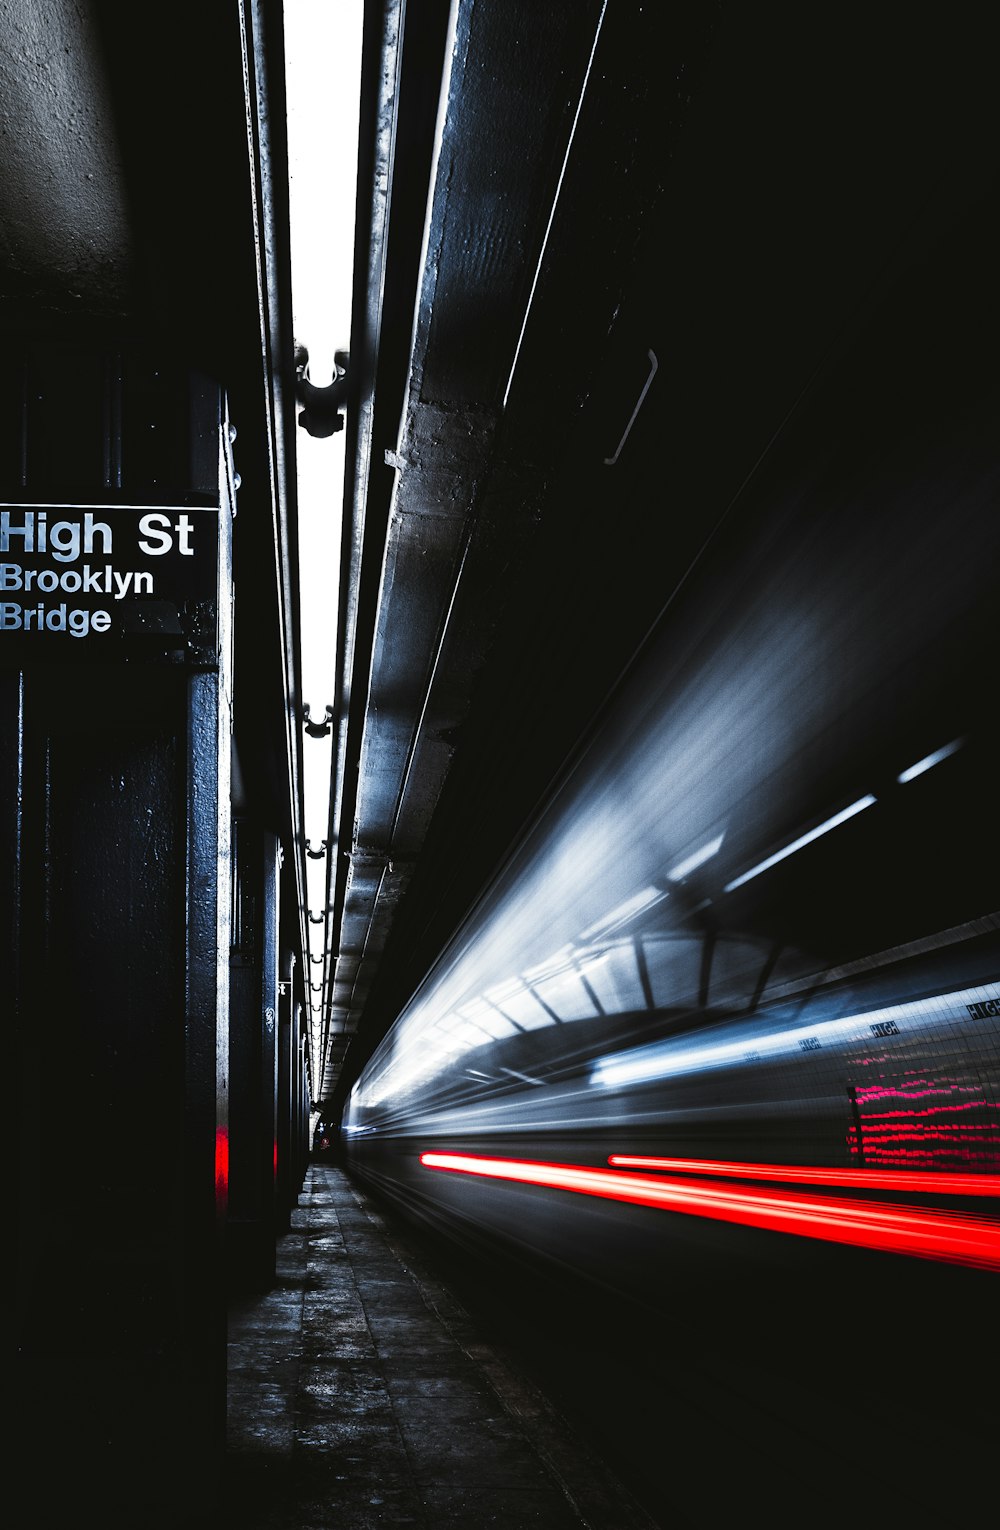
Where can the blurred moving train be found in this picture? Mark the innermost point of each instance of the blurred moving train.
(755, 924)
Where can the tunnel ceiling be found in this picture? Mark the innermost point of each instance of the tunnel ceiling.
(601, 269)
(603, 252)
(512, 304)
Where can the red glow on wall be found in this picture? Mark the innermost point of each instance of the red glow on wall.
(908, 1180)
(924, 1233)
(921, 1122)
(221, 1164)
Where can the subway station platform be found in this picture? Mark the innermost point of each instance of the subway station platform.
(362, 1394)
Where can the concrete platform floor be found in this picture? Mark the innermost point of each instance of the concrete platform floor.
(362, 1396)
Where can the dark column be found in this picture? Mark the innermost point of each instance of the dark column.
(252, 1222)
(287, 1183)
(115, 786)
(302, 1144)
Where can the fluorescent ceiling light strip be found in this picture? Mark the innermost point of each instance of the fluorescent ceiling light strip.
(805, 839)
(692, 862)
(956, 1239)
(931, 1182)
(929, 761)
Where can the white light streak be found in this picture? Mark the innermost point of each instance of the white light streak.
(805, 839)
(929, 761)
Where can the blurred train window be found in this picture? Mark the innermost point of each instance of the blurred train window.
(565, 994)
(738, 964)
(674, 967)
(615, 977)
(488, 1018)
(526, 1011)
(457, 1034)
(793, 971)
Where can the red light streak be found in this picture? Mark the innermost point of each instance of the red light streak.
(933, 1183)
(957, 1239)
